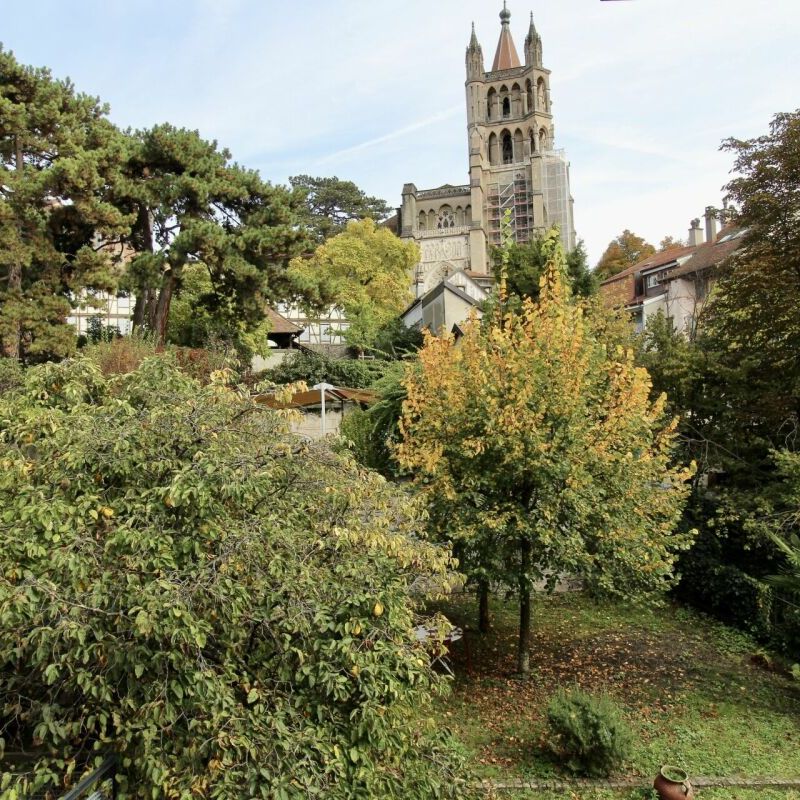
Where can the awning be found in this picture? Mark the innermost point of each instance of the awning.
(312, 397)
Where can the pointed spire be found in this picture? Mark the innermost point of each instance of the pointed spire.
(473, 40)
(506, 56)
(474, 56)
(533, 46)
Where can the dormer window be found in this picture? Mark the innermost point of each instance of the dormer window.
(653, 281)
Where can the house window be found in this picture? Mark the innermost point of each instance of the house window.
(652, 281)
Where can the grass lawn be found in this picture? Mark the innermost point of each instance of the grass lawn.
(688, 686)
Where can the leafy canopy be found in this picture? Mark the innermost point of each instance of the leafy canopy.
(541, 453)
(193, 205)
(330, 203)
(184, 583)
(623, 252)
(364, 271)
(58, 153)
(526, 263)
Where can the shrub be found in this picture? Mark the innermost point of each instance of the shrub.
(11, 374)
(730, 594)
(122, 355)
(588, 732)
(371, 433)
(316, 368)
(225, 606)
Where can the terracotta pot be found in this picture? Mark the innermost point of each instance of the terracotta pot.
(672, 783)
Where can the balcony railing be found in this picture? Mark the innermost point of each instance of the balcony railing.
(459, 230)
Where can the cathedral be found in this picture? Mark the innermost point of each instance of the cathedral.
(513, 166)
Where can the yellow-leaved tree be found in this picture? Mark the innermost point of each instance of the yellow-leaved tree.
(365, 271)
(541, 452)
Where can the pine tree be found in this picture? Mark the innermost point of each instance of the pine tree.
(192, 204)
(59, 153)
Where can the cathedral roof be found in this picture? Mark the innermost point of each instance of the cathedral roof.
(506, 56)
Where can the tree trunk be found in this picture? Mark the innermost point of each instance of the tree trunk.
(144, 310)
(161, 315)
(484, 621)
(139, 309)
(524, 646)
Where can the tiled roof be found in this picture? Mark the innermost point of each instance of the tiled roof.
(390, 224)
(656, 260)
(479, 276)
(279, 324)
(708, 255)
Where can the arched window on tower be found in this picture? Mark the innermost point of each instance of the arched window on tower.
(532, 138)
(468, 215)
(518, 154)
(506, 107)
(516, 100)
(493, 155)
(459, 216)
(529, 96)
(491, 100)
(508, 148)
(423, 220)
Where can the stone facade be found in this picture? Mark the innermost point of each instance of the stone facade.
(513, 167)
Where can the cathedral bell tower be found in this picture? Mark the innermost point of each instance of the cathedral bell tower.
(513, 168)
(513, 165)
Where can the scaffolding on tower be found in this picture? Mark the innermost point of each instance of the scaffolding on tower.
(557, 197)
(513, 196)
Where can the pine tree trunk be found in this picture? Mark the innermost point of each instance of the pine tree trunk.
(484, 621)
(144, 309)
(161, 315)
(524, 646)
(139, 309)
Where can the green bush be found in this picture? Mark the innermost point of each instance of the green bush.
(224, 606)
(371, 432)
(730, 594)
(11, 374)
(316, 368)
(588, 733)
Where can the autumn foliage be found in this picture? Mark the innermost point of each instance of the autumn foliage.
(541, 452)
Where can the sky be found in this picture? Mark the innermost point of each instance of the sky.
(643, 91)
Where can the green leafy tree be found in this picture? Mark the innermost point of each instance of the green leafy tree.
(526, 263)
(365, 271)
(371, 433)
(395, 340)
(200, 318)
(539, 449)
(756, 308)
(225, 607)
(191, 204)
(59, 153)
(737, 389)
(330, 203)
(623, 252)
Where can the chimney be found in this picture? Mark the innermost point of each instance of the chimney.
(695, 234)
(711, 224)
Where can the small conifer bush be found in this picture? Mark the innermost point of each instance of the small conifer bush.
(588, 733)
